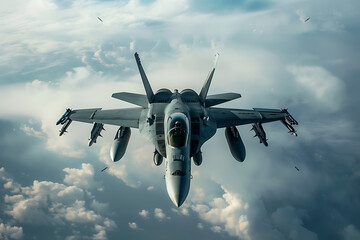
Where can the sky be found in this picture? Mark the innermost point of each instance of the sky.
(57, 54)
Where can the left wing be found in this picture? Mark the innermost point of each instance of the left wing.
(227, 117)
(128, 117)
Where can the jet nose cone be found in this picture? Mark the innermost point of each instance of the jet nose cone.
(178, 188)
(178, 199)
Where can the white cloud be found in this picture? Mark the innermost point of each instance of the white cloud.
(184, 210)
(228, 211)
(144, 213)
(10, 232)
(133, 225)
(216, 229)
(160, 215)
(132, 45)
(51, 203)
(77, 213)
(83, 177)
(31, 131)
(256, 69)
(320, 86)
(101, 233)
(150, 188)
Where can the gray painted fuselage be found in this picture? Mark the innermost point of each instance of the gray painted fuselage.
(155, 124)
(177, 124)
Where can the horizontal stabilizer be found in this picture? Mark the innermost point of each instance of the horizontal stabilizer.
(216, 99)
(134, 98)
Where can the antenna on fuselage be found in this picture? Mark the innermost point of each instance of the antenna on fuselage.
(148, 90)
(206, 86)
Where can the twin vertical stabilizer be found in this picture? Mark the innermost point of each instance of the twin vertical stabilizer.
(205, 88)
(148, 90)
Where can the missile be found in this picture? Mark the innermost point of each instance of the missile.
(120, 143)
(104, 169)
(95, 132)
(260, 133)
(100, 19)
(64, 127)
(307, 19)
(64, 117)
(288, 126)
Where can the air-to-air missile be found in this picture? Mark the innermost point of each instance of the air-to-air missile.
(95, 132)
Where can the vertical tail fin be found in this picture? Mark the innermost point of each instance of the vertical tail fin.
(205, 88)
(148, 90)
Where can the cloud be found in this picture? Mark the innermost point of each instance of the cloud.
(50, 203)
(83, 178)
(229, 211)
(320, 85)
(10, 232)
(134, 226)
(351, 233)
(54, 53)
(216, 229)
(160, 215)
(200, 226)
(118, 169)
(77, 213)
(150, 188)
(31, 131)
(144, 213)
(184, 210)
(287, 221)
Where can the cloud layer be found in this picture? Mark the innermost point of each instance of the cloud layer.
(57, 54)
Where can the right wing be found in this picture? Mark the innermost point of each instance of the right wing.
(127, 117)
(226, 117)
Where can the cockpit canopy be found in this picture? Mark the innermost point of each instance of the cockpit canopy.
(179, 130)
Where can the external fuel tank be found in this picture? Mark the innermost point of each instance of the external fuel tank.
(120, 143)
(235, 143)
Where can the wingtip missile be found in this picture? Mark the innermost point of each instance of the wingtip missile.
(64, 117)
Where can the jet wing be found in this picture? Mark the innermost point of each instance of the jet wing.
(127, 117)
(226, 117)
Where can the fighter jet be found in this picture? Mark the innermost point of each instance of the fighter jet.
(177, 124)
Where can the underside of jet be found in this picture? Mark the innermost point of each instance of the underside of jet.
(177, 124)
